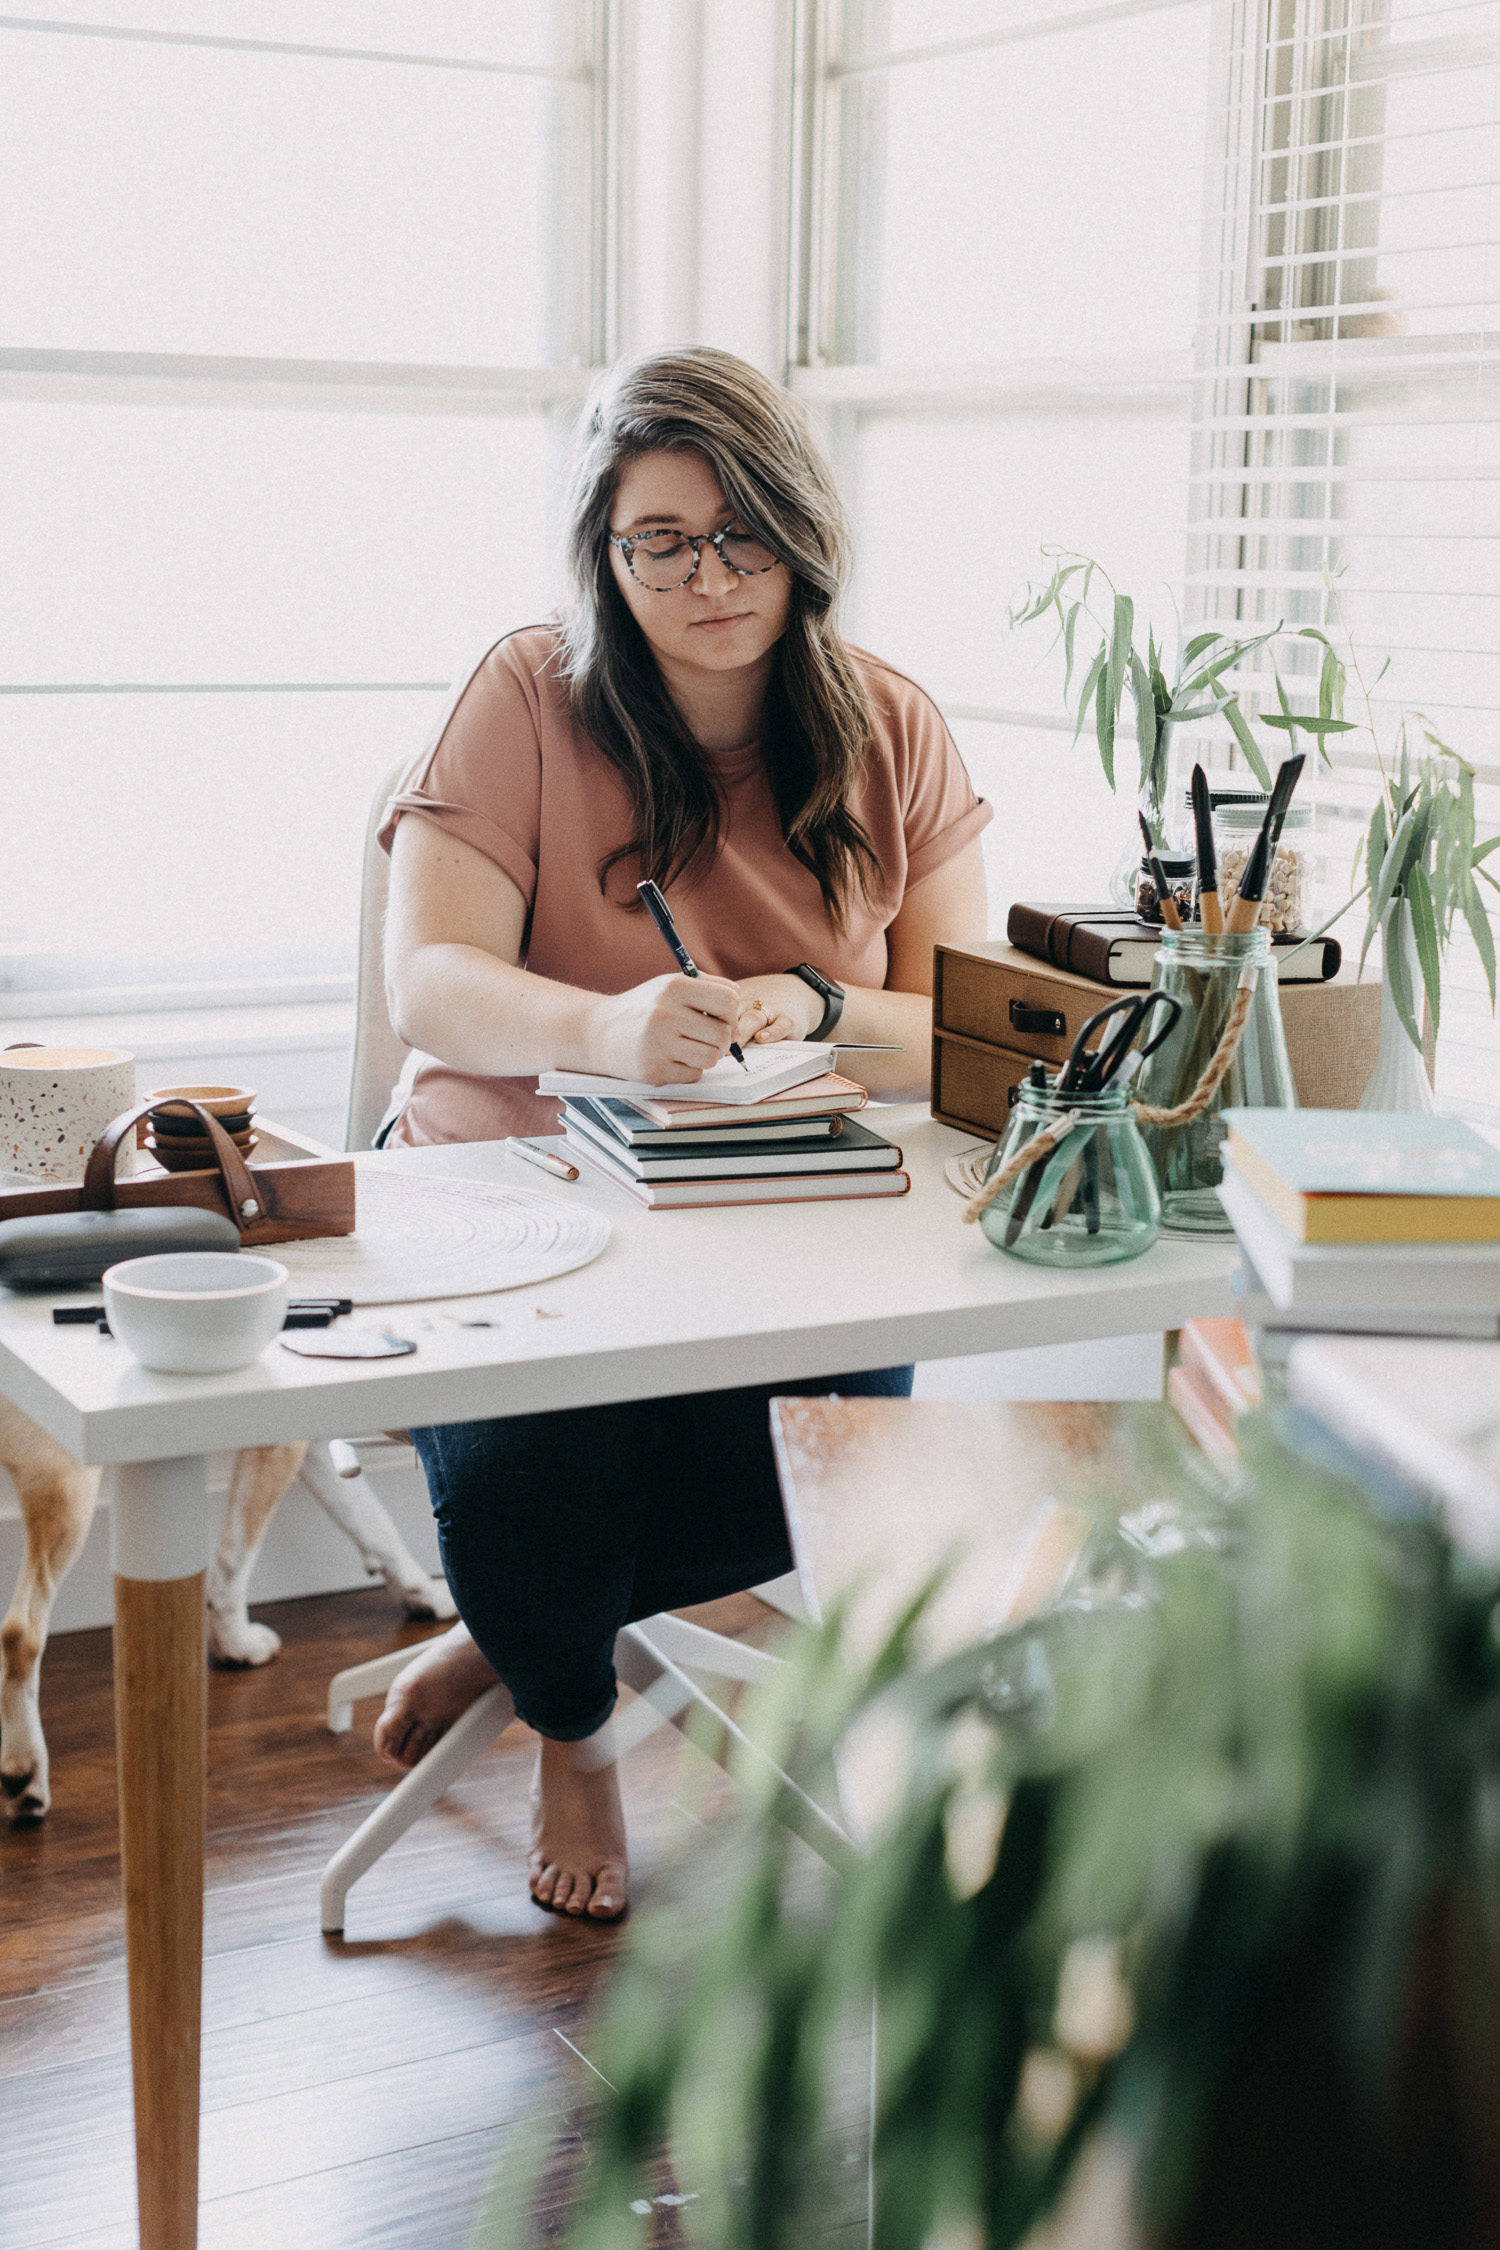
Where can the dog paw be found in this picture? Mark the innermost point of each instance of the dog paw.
(26, 1796)
(238, 1645)
(430, 1599)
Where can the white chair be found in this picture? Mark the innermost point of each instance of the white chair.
(664, 1659)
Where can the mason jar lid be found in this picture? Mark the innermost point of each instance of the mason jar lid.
(1248, 816)
(1246, 808)
(1218, 797)
(1173, 863)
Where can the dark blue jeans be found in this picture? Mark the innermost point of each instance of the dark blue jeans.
(557, 1529)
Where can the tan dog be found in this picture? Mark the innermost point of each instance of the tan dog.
(57, 1505)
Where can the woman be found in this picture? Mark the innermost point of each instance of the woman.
(695, 717)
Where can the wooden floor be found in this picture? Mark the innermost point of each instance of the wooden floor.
(355, 2089)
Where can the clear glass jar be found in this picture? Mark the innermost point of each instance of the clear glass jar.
(1237, 817)
(1203, 972)
(1093, 1201)
(1178, 867)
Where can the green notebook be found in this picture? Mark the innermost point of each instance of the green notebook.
(1343, 1175)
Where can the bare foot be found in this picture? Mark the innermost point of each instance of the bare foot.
(577, 1862)
(444, 1677)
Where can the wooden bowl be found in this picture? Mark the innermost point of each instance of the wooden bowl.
(192, 1156)
(219, 1101)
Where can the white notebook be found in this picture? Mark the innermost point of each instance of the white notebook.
(768, 1070)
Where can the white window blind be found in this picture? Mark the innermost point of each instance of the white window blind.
(297, 298)
(1347, 401)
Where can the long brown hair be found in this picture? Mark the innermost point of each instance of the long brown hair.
(816, 729)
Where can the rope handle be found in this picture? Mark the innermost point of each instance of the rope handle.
(1052, 1136)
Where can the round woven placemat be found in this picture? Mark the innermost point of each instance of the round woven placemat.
(965, 1172)
(418, 1236)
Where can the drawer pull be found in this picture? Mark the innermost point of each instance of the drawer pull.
(1051, 1022)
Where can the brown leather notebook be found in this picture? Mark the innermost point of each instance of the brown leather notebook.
(1110, 945)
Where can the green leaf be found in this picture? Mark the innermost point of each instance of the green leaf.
(1198, 644)
(1119, 654)
(1376, 845)
(1397, 971)
(1295, 722)
(1247, 742)
(1479, 925)
(1225, 663)
(1068, 631)
(1331, 687)
(1104, 726)
(1424, 923)
(1086, 692)
(1145, 716)
(1390, 868)
(1484, 851)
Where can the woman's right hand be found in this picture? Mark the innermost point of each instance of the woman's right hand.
(666, 1032)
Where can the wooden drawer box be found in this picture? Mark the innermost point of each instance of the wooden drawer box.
(994, 1009)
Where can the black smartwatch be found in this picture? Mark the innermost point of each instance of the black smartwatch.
(831, 995)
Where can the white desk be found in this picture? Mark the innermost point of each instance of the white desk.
(679, 1301)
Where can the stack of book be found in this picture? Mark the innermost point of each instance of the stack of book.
(779, 1131)
(1364, 1222)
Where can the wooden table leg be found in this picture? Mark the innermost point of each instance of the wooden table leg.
(158, 1529)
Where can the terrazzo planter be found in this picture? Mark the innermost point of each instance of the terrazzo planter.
(54, 1104)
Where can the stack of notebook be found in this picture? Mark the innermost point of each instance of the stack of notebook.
(779, 1131)
(1364, 1222)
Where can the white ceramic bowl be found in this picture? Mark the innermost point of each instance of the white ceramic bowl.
(197, 1312)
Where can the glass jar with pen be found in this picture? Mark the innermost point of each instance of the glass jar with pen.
(1226, 1049)
(1072, 1183)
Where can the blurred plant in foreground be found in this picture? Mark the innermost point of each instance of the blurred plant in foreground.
(1200, 1866)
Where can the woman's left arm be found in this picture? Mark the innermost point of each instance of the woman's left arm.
(947, 908)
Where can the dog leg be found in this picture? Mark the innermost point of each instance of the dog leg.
(57, 1506)
(260, 1476)
(352, 1503)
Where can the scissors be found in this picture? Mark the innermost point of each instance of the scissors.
(1089, 1072)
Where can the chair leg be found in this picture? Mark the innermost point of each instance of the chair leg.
(799, 1812)
(467, 1739)
(346, 1688)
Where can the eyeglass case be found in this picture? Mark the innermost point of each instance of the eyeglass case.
(70, 1249)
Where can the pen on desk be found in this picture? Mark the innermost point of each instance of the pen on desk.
(558, 1166)
(661, 914)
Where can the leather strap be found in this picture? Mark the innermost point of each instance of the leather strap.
(241, 1193)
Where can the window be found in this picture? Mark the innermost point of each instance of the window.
(999, 218)
(296, 313)
(1210, 291)
(1348, 405)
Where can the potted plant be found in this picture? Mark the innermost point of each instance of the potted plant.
(1191, 1907)
(1422, 866)
(1420, 860)
(1196, 691)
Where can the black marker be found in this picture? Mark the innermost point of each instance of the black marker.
(661, 914)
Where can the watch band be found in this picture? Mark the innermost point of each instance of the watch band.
(831, 995)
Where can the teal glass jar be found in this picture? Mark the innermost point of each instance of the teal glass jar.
(1203, 971)
(1093, 1201)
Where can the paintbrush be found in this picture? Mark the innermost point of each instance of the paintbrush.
(1245, 911)
(1210, 913)
(1164, 898)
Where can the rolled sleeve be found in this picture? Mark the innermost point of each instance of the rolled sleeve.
(479, 777)
(948, 843)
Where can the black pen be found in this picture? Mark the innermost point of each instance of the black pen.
(661, 914)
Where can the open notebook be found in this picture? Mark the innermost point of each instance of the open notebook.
(768, 1070)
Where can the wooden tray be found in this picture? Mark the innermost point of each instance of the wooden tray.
(306, 1189)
